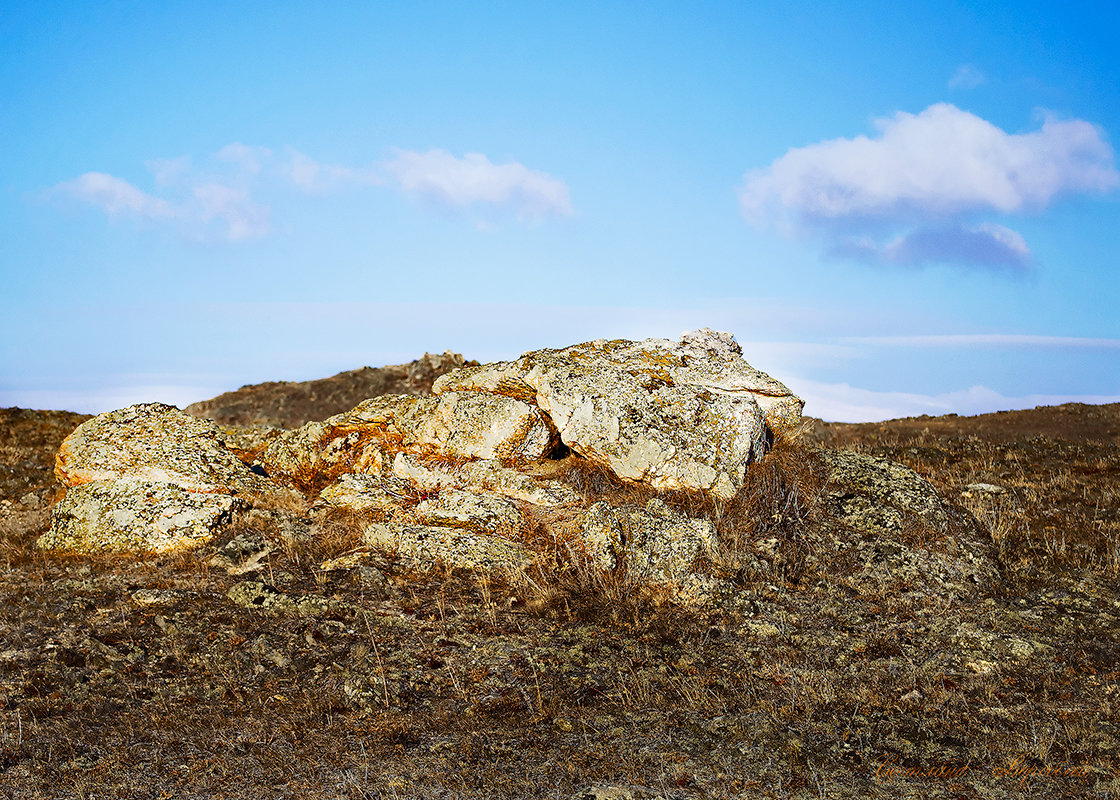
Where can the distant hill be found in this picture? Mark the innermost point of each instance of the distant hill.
(1072, 422)
(290, 404)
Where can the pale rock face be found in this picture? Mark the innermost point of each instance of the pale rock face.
(482, 512)
(676, 415)
(134, 515)
(363, 440)
(653, 542)
(156, 443)
(361, 494)
(455, 547)
(484, 475)
(476, 425)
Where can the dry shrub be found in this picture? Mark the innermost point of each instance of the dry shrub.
(778, 500)
(333, 532)
(596, 482)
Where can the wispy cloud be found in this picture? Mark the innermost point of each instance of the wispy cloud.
(841, 402)
(439, 177)
(987, 340)
(116, 197)
(911, 195)
(967, 77)
(221, 199)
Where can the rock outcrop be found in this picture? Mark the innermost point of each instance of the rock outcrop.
(366, 439)
(675, 415)
(472, 476)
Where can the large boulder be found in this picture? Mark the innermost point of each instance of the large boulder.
(675, 415)
(453, 426)
(156, 443)
(135, 516)
(147, 478)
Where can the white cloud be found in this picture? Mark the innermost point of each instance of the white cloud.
(985, 243)
(115, 196)
(440, 177)
(219, 199)
(928, 174)
(319, 178)
(967, 77)
(840, 402)
(234, 208)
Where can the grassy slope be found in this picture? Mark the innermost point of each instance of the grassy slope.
(129, 678)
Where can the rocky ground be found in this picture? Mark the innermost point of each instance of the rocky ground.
(964, 650)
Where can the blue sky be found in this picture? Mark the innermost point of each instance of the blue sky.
(898, 208)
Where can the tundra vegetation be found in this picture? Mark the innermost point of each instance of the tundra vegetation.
(923, 607)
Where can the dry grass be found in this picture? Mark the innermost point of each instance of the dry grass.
(453, 686)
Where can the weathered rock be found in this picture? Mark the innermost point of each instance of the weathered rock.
(874, 495)
(893, 524)
(471, 425)
(483, 475)
(454, 547)
(248, 442)
(263, 597)
(156, 443)
(653, 542)
(482, 512)
(362, 494)
(687, 415)
(458, 426)
(135, 515)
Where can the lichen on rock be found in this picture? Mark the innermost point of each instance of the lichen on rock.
(156, 443)
(135, 515)
(365, 439)
(455, 547)
(676, 415)
(653, 542)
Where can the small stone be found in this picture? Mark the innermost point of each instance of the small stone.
(985, 488)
